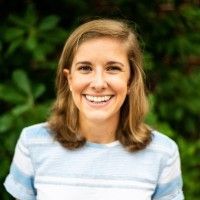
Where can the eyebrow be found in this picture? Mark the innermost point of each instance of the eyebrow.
(115, 62)
(83, 62)
(108, 63)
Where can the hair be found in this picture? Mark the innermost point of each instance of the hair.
(132, 132)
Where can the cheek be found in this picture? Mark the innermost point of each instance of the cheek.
(119, 85)
(78, 84)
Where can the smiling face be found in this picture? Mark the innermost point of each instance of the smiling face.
(98, 79)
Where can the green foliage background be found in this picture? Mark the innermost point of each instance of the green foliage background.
(32, 34)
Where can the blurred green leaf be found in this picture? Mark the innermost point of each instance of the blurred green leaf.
(14, 45)
(10, 94)
(20, 109)
(38, 91)
(31, 15)
(18, 21)
(48, 23)
(31, 42)
(22, 82)
(13, 33)
(6, 122)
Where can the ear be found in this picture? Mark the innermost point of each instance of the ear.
(67, 76)
(128, 90)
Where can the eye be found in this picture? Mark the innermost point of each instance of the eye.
(113, 69)
(85, 69)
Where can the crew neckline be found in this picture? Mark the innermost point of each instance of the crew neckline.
(102, 145)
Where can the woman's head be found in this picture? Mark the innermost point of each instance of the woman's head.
(95, 29)
(98, 80)
(135, 104)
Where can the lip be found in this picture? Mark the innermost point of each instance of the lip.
(98, 105)
(99, 95)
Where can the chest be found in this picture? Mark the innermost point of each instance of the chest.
(91, 173)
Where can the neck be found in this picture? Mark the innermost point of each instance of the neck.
(99, 132)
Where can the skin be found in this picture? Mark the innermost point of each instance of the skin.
(98, 80)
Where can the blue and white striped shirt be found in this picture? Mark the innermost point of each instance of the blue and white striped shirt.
(42, 169)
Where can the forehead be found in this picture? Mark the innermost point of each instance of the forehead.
(99, 39)
(104, 46)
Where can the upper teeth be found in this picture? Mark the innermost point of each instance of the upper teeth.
(98, 99)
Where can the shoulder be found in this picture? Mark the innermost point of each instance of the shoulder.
(37, 133)
(162, 144)
(169, 179)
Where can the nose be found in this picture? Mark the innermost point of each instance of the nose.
(99, 82)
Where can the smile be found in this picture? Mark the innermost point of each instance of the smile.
(98, 99)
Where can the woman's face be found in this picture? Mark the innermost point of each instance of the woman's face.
(98, 79)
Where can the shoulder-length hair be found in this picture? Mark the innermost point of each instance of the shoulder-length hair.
(132, 132)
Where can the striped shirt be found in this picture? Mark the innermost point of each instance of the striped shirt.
(42, 169)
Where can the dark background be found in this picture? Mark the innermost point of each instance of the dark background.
(32, 34)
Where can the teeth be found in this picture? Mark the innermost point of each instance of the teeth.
(98, 99)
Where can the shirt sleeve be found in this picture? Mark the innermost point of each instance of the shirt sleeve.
(169, 186)
(20, 180)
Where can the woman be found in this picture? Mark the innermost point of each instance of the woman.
(95, 144)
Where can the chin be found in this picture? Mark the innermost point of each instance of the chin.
(99, 116)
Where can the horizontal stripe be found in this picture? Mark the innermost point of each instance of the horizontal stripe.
(17, 190)
(23, 161)
(110, 177)
(52, 192)
(171, 188)
(170, 172)
(94, 182)
(22, 178)
(22, 148)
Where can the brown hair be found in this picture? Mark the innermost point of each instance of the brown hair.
(133, 133)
